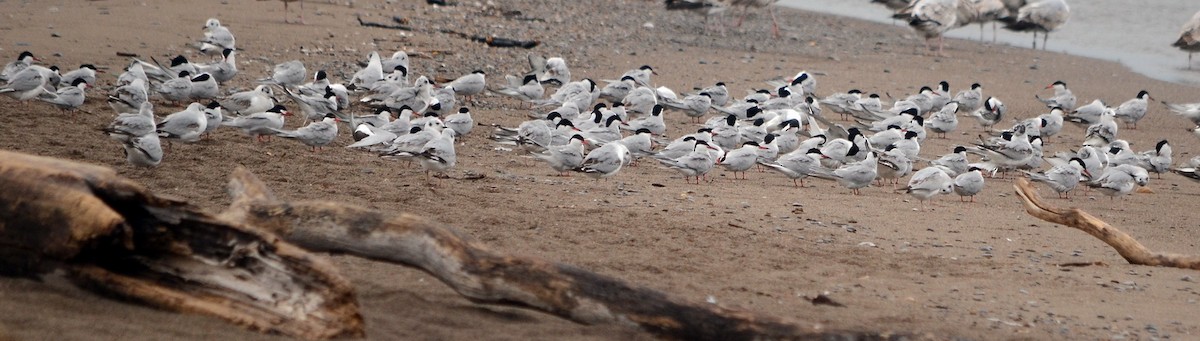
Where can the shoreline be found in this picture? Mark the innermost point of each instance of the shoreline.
(982, 271)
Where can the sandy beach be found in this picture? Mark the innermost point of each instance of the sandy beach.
(982, 271)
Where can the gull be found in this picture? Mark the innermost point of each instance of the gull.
(1157, 160)
(130, 125)
(258, 125)
(971, 99)
(24, 60)
(316, 134)
(1134, 110)
(143, 151)
(564, 157)
(1189, 37)
(1039, 16)
(461, 123)
(992, 111)
(928, 182)
(25, 84)
(217, 37)
(287, 74)
(969, 184)
(946, 120)
(86, 72)
(982, 12)
(1190, 111)
(605, 161)
(1063, 98)
(398, 59)
(526, 89)
(370, 74)
(186, 125)
(1062, 178)
(1120, 180)
(740, 159)
(932, 18)
(469, 85)
(852, 175)
(223, 70)
(746, 4)
(695, 164)
(251, 101)
(68, 97)
(707, 8)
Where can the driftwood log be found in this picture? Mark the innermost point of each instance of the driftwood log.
(486, 276)
(1129, 248)
(112, 235)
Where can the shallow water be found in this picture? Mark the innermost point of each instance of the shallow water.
(1139, 38)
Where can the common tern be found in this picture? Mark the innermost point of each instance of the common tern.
(461, 123)
(564, 157)
(740, 159)
(25, 84)
(176, 89)
(213, 115)
(694, 106)
(615, 91)
(1062, 178)
(1052, 122)
(694, 164)
(24, 60)
(954, 163)
(969, 184)
(944, 121)
(641, 75)
(605, 161)
(288, 74)
(526, 90)
(316, 134)
(971, 99)
(315, 108)
(129, 125)
(1087, 114)
(991, 113)
(892, 165)
(438, 155)
(258, 125)
(224, 70)
(1157, 160)
(203, 86)
(653, 123)
(86, 72)
(1063, 98)
(370, 74)
(797, 165)
(398, 58)
(143, 151)
(469, 85)
(1134, 110)
(1190, 111)
(843, 102)
(67, 97)
(1120, 180)
(718, 93)
(853, 176)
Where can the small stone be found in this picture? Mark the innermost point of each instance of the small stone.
(1187, 278)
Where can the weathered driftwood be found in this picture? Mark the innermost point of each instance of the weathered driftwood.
(113, 235)
(486, 276)
(1129, 248)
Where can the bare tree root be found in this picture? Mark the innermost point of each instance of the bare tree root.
(114, 236)
(486, 276)
(1129, 248)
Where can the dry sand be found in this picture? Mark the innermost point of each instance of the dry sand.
(977, 271)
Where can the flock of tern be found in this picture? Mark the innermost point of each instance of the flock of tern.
(579, 125)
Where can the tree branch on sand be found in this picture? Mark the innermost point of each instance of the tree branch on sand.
(1129, 248)
(248, 264)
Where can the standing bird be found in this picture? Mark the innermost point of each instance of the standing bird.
(1062, 178)
(86, 72)
(67, 97)
(971, 99)
(288, 74)
(259, 124)
(1134, 110)
(932, 18)
(438, 154)
(1189, 37)
(1157, 160)
(1063, 98)
(469, 85)
(300, 15)
(1039, 16)
(316, 134)
(969, 184)
(186, 125)
(854, 175)
(928, 182)
(944, 121)
(373, 72)
(461, 123)
(605, 161)
(143, 151)
(564, 157)
(990, 114)
(217, 37)
(694, 164)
